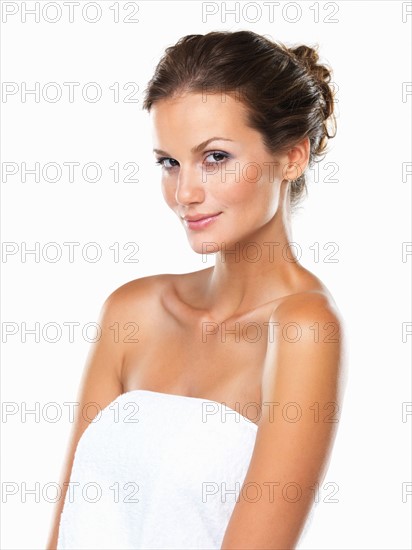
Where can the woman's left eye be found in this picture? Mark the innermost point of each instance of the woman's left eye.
(218, 154)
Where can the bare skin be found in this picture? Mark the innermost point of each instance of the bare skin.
(210, 333)
(221, 360)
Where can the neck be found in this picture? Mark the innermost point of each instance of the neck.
(255, 271)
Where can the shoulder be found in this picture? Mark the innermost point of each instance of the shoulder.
(306, 345)
(311, 302)
(307, 308)
(141, 291)
(145, 297)
(133, 302)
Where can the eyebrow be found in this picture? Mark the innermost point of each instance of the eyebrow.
(197, 148)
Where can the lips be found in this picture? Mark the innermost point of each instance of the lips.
(201, 221)
(198, 217)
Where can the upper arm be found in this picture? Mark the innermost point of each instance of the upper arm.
(99, 385)
(302, 389)
(100, 381)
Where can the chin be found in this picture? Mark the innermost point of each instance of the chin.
(206, 246)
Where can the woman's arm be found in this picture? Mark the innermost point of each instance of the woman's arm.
(100, 384)
(302, 389)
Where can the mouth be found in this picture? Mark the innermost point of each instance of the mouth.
(200, 223)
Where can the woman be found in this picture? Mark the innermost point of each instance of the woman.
(255, 341)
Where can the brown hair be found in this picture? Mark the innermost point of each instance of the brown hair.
(286, 91)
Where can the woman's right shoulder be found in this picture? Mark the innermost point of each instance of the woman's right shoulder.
(140, 292)
(149, 294)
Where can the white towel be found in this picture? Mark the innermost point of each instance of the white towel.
(156, 471)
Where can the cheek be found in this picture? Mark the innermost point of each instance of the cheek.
(168, 192)
(251, 187)
(233, 186)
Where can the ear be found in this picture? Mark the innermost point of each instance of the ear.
(296, 160)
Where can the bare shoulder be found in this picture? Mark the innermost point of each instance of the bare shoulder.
(152, 296)
(307, 345)
(140, 295)
(311, 302)
(308, 307)
(310, 323)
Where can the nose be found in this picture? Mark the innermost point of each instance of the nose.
(189, 186)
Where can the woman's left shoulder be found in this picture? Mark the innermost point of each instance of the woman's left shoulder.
(315, 305)
(307, 346)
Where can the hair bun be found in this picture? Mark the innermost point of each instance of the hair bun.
(307, 55)
(308, 58)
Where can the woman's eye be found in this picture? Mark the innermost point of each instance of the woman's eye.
(217, 154)
(163, 160)
(216, 158)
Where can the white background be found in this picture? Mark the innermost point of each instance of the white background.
(366, 212)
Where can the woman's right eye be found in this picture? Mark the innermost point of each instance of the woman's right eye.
(162, 161)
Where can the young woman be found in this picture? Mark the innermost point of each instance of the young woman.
(236, 371)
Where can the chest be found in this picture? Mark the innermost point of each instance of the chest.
(222, 362)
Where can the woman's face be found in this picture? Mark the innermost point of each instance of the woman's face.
(213, 164)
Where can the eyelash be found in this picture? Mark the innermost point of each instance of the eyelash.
(162, 159)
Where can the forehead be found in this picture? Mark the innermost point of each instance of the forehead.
(190, 110)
